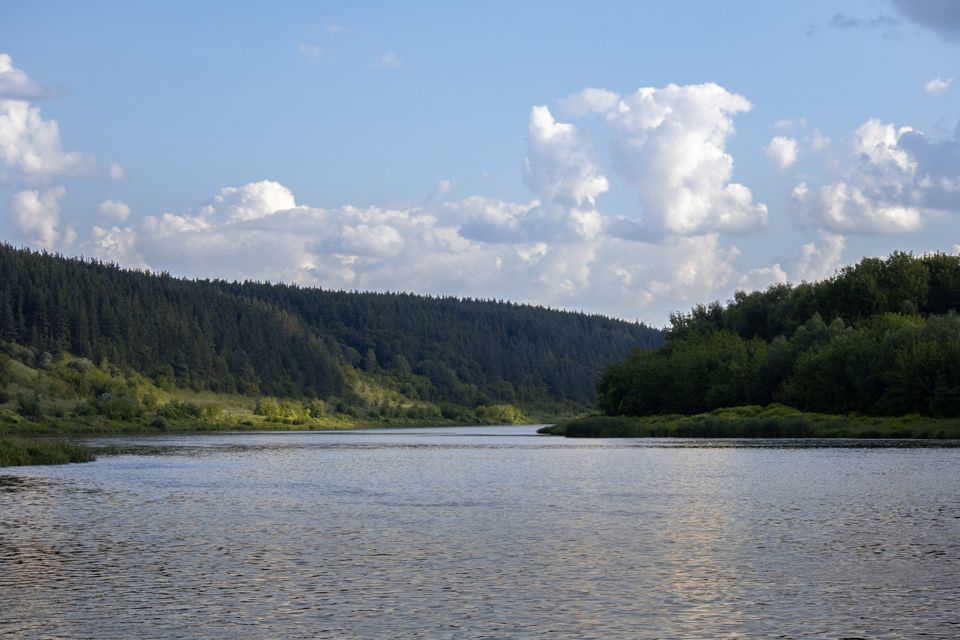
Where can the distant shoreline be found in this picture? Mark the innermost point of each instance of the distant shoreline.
(772, 421)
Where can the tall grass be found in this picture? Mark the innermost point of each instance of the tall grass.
(773, 421)
(16, 452)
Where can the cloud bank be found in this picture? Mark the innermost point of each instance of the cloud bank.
(667, 147)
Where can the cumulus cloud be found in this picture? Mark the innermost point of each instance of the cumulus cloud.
(562, 170)
(762, 277)
(113, 210)
(14, 83)
(36, 215)
(937, 173)
(30, 145)
(560, 165)
(878, 192)
(117, 245)
(474, 246)
(820, 261)
(670, 145)
(698, 264)
(249, 202)
(937, 86)
(941, 16)
(782, 151)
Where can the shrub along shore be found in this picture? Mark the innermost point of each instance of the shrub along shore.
(772, 421)
(29, 451)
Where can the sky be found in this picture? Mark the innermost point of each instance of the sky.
(625, 158)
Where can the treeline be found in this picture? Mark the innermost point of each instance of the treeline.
(880, 338)
(287, 341)
(507, 351)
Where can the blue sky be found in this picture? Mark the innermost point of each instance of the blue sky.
(401, 146)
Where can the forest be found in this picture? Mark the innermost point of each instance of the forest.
(880, 338)
(260, 339)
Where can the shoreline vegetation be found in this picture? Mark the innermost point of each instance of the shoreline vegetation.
(16, 452)
(772, 421)
(872, 352)
(90, 349)
(46, 400)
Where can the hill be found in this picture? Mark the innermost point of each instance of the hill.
(253, 339)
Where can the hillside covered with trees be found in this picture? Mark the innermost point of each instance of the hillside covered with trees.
(880, 338)
(260, 339)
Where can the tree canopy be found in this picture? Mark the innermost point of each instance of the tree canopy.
(881, 337)
(285, 340)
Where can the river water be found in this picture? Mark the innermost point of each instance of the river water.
(490, 532)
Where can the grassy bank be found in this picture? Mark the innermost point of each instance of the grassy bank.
(29, 451)
(69, 396)
(772, 421)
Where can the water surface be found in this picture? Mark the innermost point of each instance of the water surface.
(488, 532)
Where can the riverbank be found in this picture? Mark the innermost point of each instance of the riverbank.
(40, 441)
(772, 421)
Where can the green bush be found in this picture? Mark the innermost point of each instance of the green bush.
(500, 414)
(24, 451)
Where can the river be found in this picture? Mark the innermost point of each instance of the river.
(482, 532)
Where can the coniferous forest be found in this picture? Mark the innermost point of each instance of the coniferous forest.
(257, 338)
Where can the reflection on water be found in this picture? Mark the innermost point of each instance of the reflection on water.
(443, 533)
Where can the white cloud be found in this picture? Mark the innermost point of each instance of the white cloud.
(474, 246)
(561, 168)
(442, 188)
(389, 60)
(697, 266)
(310, 51)
(116, 245)
(937, 86)
(113, 210)
(14, 83)
(36, 215)
(819, 262)
(846, 207)
(251, 201)
(789, 124)
(782, 151)
(670, 145)
(762, 277)
(877, 192)
(818, 141)
(560, 165)
(31, 145)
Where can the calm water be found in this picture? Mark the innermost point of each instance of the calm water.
(481, 533)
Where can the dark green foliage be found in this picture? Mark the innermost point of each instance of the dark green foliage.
(287, 341)
(180, 410)
(891, 347)
(29, 406)
(27, 451)
(773, 421)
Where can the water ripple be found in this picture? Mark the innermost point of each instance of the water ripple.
(453, 536)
